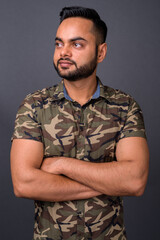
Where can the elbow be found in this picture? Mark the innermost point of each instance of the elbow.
(18, 190)
(17, 194)
(22, 189)
(138, 183)
(138, 188)
(23, 186)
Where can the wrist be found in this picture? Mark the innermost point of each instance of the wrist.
(68, 166)
(63, 164)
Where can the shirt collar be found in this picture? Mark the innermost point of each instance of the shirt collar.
(95, 95)
(61, 92)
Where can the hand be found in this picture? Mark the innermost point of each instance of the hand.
(51, 165)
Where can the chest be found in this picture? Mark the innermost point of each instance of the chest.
(85, 133)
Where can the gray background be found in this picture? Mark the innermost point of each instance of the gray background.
(27, 31)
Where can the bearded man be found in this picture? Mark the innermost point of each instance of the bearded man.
(79, 147)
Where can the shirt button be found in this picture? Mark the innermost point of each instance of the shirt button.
(80, 137)
(81, 129)
(80, 214)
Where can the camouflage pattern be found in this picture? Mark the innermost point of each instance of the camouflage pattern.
(88, 133)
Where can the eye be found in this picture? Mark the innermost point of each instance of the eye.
(58, 44)
(77, 45)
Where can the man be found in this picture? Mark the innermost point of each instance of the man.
(79, 146)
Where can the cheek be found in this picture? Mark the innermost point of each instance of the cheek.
(86, 58)
(55, 57)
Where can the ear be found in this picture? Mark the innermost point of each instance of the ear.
(102, 50)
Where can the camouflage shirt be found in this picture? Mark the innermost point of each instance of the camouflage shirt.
(89, 133)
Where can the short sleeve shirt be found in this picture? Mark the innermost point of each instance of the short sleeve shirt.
(89, 133)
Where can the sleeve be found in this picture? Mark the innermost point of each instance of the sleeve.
(133, 122)
(26, 124)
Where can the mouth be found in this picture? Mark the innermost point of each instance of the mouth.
(65, 64)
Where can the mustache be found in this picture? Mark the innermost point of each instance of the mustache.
(66, 59)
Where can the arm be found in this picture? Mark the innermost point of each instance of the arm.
(126, 176)
(30, 181)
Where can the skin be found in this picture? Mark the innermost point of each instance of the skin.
(126, 177)
(30, 181)
(81, 52)
(42, 180)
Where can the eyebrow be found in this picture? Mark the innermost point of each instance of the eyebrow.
(72, 39)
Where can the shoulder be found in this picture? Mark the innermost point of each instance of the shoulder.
(129, 113)
(41, 98)
(118, 97)
(45, 93)
(121, 103)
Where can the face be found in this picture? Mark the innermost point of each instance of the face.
(75, 55)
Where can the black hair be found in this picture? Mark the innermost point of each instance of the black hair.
(87, 13)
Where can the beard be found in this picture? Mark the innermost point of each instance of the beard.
(81, 72)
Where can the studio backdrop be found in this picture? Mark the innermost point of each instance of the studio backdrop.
(27, 33)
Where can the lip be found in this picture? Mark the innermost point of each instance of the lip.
(64, 63)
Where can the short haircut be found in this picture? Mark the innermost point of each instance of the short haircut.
(88, 13)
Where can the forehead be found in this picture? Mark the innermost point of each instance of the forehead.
(76, 26)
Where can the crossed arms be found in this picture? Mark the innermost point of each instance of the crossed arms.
(63, 179)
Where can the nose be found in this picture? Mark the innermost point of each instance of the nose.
(65, 51)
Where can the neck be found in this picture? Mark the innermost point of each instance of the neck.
(81, 90)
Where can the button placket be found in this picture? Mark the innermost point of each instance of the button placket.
(80, 220)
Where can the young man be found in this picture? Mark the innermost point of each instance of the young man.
(79, 146)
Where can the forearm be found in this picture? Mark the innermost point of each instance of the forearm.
(30, 181)
(124, 177)
(40, 185)
(113, 178)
